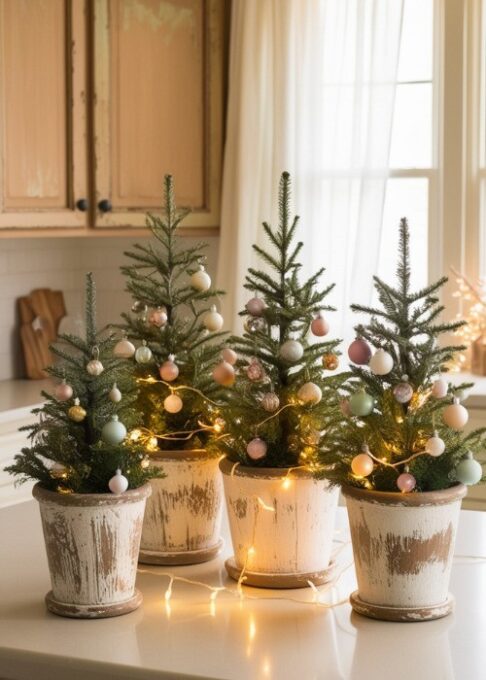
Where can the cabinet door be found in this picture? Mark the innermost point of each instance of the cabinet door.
(42, 113)
(158, 107)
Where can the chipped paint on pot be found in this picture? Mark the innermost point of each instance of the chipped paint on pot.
(182, 521)
(92, 543)
(403, 546)
(288, 544)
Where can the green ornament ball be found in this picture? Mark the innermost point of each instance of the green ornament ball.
(113, 431)
(361, 403)
(469, 471)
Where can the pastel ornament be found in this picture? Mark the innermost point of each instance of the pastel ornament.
(359, 352)
(173, 403)
(362, 465)
(124, 349)
(319, 326)
(435, 446)
(310, 393)
(114, 394)
(255, 371)
(270, 402)
(118, 484)
(64, 391)
(469, 471)
(113, 432)
(361, 403)
(143, 354)
(291, 351)
(255, 306)
(403, 391)
(224, 374)
(381, 363)
(158, 317)
(77, 413)
(169, 369)
(440, 388)
(95, 367)
(257, 449)
(229, 355)
(455, 415)
(213, 319)
(201, 280)
(406, 482)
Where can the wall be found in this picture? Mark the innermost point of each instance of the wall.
(60, 264)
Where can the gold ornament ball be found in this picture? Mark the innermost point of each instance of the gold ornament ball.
(330, 361)
(362, 465)
(77, 412)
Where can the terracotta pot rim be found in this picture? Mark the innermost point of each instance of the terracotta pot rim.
(91, 499)
(440, 497)
(179, 454)
(226, 466)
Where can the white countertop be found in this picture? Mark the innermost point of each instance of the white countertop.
(249, 639)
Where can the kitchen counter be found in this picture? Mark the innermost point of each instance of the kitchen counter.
(266, 635)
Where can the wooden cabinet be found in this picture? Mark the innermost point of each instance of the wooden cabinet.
(101, 98)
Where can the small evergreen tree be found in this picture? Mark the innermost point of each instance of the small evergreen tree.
(175, 318)
(404, 422)
(79, 442)
(282, 400)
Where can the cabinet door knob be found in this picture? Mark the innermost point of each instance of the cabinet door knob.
(105, 205)
(82, 204)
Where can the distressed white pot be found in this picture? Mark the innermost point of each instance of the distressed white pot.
(92, 543)
(403, 546)
(282, 525)
(182, 521)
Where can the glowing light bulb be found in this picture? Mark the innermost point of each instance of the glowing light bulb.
(286, 483)
(135, 435)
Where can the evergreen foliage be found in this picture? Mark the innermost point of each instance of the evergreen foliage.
(293, 431)
(406, 325)
(158, 278)
(65, 455)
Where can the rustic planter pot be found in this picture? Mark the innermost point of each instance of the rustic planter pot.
(92, 543)
(183, 516)
(403, 547)
(290, 544)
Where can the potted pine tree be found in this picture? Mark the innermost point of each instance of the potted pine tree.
(400, 453)
(92, 480)
(177, 326)
(279, 400)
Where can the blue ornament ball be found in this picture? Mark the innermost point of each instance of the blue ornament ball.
(469, 471)
(113, 431)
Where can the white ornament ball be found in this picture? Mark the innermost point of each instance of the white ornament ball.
(124, 349)
(213, 319)
(115, 394)
(310, 393)
(229, 355)
(169, 369)
(257, 449)
(381, 363)
(320, 326)
(118, 484)
(291, 351)
(64, 391)
(403, 392)
(455, 415)
(95, 367)
(173, 403)
(469, 471)
(201, 280)
(256, 306)
(113, 431)
(435, 446)
(440, 388)
(143, 354)
(270, 402)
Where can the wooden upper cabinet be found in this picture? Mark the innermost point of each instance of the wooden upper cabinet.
(42, 113)
(158, 107)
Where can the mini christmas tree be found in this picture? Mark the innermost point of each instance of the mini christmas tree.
(79, 444)
(177, 322)
(403, 426)
(281, 398)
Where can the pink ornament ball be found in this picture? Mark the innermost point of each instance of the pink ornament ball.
(169, 370)
(362, 465)
(229, 355)
(224, 374)
(256, 306)
(257, 449)
(359, 352)
(320, 326)
(64, 391)
(440, 387)
(455, 415)
(406, 482)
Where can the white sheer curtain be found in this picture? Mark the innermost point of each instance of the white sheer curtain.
(311, 90)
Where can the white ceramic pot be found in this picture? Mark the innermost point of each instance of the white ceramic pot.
(182, 521)
(92, 543)
(282, 525)
(403, 546)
